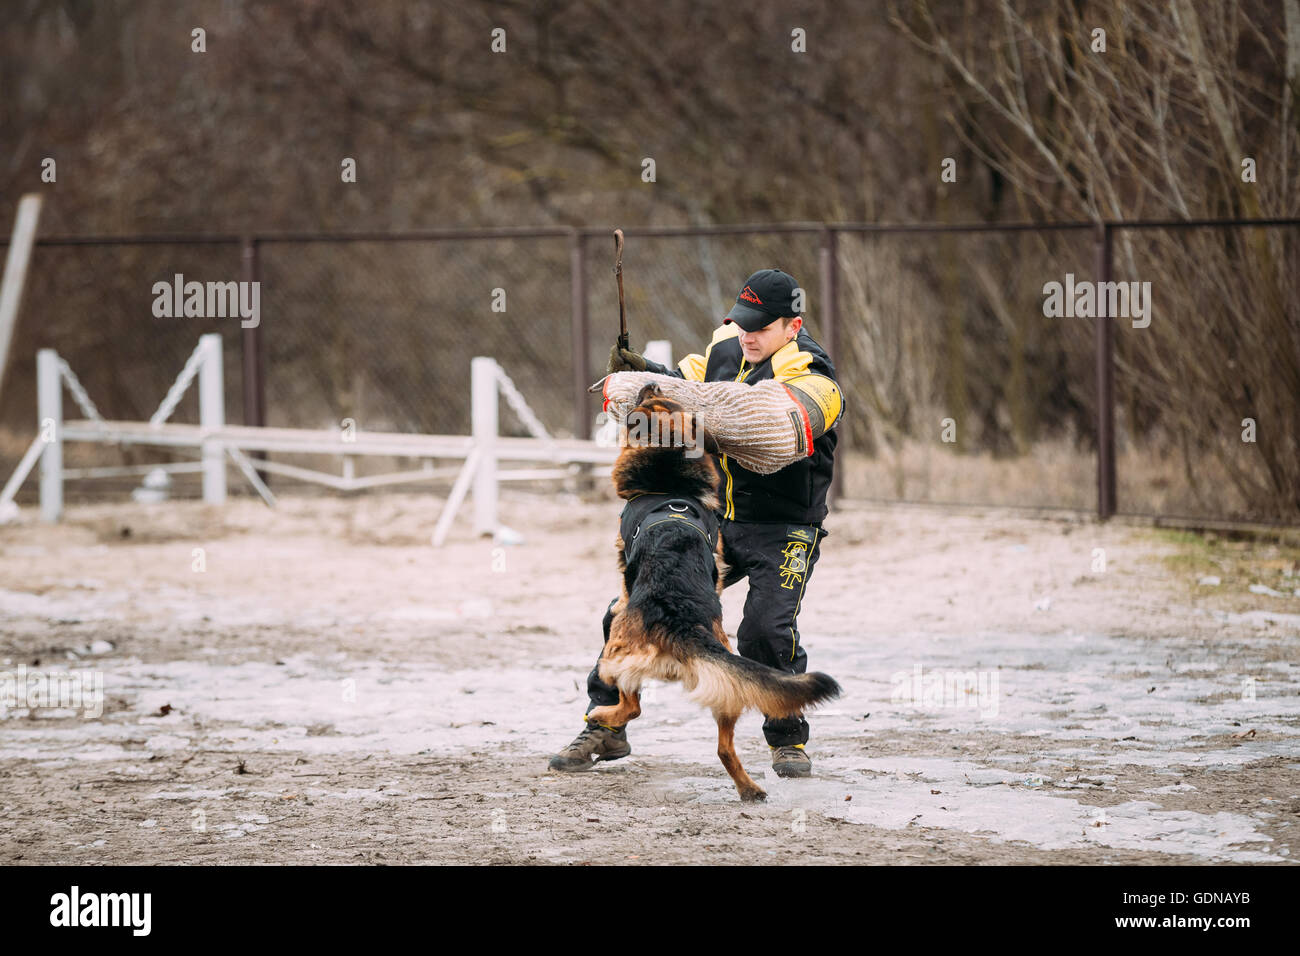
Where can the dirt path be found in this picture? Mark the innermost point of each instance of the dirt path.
(332, 689)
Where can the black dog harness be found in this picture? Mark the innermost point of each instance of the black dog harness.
(645, 511)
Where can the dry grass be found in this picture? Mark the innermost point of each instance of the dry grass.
(1054, 474)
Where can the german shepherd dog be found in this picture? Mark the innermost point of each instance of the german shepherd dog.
(668, 620)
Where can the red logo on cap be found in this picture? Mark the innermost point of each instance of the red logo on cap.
(749, 296)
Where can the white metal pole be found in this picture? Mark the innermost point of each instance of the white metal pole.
(212, 415)
(452, 504)
(659, 350)
(483, 419)
(11, 286)
(49, 416)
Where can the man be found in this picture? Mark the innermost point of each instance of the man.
(771, 524)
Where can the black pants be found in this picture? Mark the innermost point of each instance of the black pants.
(778, 559)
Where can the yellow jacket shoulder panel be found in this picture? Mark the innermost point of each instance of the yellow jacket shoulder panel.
(790, 360)
(728, 330)
(692, 367)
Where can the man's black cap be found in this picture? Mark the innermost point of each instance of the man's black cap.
(768, 294)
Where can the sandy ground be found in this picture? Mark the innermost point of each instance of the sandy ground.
(332, 689)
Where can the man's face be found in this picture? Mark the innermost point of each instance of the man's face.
(759, 346)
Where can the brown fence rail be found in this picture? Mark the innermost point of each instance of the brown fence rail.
(960, 388)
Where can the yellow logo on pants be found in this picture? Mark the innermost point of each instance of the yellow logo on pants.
(795, 564)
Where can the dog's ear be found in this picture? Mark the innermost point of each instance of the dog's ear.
(648, 391)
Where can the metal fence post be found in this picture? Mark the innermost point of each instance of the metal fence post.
(580, 336)
(253, 352)
(829, 261)
(49, 415)
(1105, 342)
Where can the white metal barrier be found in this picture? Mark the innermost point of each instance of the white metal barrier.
(481, 452)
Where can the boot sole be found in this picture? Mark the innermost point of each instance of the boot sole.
(576, 765)
(792, 770)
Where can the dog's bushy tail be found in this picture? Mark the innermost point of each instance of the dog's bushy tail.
(728, 683)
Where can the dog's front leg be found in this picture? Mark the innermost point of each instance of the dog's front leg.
(627, 708)
(721, 636)
(720, 566)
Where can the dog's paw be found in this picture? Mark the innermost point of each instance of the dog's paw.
(753, 796)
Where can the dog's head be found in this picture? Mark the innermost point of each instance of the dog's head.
(664, 450)
(659, 422)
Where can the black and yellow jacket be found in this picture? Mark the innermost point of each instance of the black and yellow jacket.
(797, 493)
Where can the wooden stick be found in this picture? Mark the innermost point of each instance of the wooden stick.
(623, 341)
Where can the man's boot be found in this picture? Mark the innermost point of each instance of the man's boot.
(791, 761)
(596, 743)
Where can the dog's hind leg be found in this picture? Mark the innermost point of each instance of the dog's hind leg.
(627, 708)
(749, 790)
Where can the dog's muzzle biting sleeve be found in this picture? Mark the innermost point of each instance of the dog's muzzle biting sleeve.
(765, 426)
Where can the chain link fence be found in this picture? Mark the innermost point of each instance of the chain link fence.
(383, 333)
(965, 393)
(961, 388)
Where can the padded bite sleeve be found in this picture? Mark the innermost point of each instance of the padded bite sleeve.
(763, 426)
